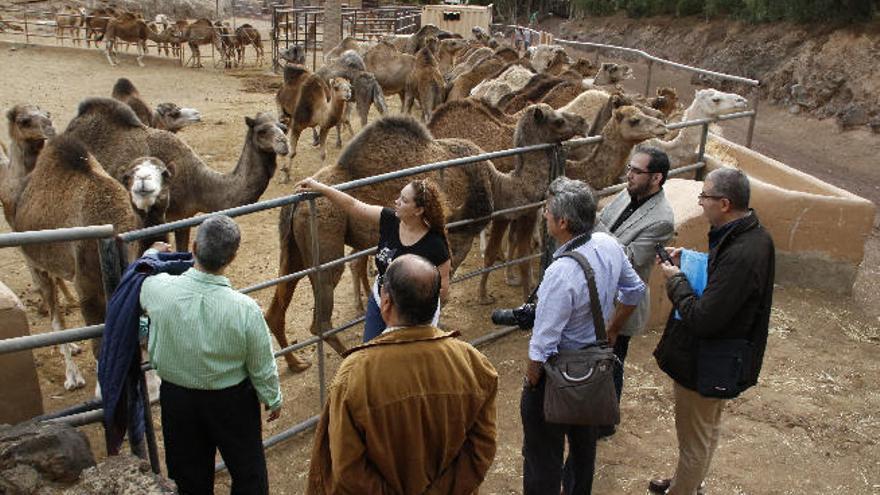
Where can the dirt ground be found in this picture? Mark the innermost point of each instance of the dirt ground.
(810, 426)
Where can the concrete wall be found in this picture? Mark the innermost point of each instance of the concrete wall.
(819, 230)
(20, 396)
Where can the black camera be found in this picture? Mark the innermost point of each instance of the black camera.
(523, 316)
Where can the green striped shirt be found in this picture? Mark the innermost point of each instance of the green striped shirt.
(206, 335)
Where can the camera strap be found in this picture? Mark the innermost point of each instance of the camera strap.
(574, 244)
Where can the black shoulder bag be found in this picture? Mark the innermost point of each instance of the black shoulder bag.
(579, 387)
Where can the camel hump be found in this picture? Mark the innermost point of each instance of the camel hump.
(450, 109)
(116, 112)
(123, 88)
(293, 72)
(397, 129)
(67, 152)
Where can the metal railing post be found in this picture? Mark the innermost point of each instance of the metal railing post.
(701, 154)
(557, 169)
(753, 119)
(316, 261)
(648, 78)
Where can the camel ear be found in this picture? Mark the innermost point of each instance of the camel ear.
(10, 115)
(250, 122)
(618, 116)
(539, 115)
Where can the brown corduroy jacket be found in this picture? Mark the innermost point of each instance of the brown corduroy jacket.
(410, 412)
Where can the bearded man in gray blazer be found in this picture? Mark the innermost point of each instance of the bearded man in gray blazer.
(639, 217)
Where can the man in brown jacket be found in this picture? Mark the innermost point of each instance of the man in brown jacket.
(411, 411)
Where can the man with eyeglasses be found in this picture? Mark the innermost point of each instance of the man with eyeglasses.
(639, 217)
(728, 323)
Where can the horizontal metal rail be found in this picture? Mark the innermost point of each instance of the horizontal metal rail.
(29, 342)
(13, 239)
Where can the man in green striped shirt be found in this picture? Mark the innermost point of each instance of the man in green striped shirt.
(211, 347)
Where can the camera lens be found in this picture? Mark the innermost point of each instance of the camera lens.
(503, 317)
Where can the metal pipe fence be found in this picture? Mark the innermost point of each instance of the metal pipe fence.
(112, 264)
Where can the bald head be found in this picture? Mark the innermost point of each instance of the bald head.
(413, 284)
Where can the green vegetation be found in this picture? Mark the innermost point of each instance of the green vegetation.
(751, 10)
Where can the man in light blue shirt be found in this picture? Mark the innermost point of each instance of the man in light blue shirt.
(563, 320)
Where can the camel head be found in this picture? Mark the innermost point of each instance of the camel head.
(582, 66)
(173, 118)
(453, 45)
(635, 126)
(713, 103)
(341, 88)
(548, 58)
(540, 123)
(432, 44)
(29, 125)
(665, 101)
(267, 134)
(145, 180)
(611, 73)
(296, 54)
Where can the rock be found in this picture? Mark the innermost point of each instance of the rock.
(121, 474)
(56, 451)
(20, 480)
(853, 115)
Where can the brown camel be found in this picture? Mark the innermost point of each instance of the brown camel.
(420, 38)
(200, 32)
(95, 22)
(128, 27)
(391, 69)
(425, 82)
(69, 19)
(462, 85)
(447, 51)
(391, 143)
(666, 101)
(248, 35)
(558, 91)
(229, 43)
(112, 132)
(288, 94)
(627, 127)
(69, 188)
(319, 105)
(365, 89)
(295, 54)
(167, 116)
(468, 62)
(538, 86)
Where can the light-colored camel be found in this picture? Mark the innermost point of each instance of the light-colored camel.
(708, 103)
(69, 19)
(391, 68)
(549, 59)
(69, 188)
(319, 105)
(348, 43)
(391, 143)
(365, 89)
(468, 62)
(425, 82)
(512, 79)
(447, 51)
(462, 85)
(627, 127)
(113, 133)
(166, 116)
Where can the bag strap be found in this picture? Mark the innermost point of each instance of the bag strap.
(595, 305)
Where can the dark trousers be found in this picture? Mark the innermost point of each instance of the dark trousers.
(374, 325)
(543, 445)
(195, 423)
(621, 347)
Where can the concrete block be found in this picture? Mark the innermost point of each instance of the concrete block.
(20, 395)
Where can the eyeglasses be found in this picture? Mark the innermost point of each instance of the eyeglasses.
(703, 196)
(637, 171)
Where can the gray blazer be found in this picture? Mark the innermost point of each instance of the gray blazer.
(653, 222)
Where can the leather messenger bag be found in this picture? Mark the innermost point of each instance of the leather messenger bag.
(579, 387)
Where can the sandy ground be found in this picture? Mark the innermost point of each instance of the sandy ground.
(810, 426)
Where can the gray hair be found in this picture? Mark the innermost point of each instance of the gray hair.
(217, 241)
(733, 184)
(574, 201)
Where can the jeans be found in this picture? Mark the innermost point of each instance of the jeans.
(373, 322)
(544, 444)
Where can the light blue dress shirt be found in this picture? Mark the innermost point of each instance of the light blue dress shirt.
(563, 319)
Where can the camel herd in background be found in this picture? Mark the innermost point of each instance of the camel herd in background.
(112, 25)
(130, 167)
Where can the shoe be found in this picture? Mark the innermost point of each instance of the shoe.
(661, 485)
(604, 432)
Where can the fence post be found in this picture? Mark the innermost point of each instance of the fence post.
(27, 36)
(316, 260)
(753, 118)
(701, 154)
(648, 78)
(557, 169)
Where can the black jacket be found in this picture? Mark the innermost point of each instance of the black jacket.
(735, 304)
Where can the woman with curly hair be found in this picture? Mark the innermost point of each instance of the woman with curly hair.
(416, 225)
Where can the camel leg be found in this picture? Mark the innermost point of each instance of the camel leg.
(108, 48)
(284, 175)
(499, 225)
(73, 378)
(289, 260)
(358, 269)
(523, 229)
(325, 131)
(402, 96)
(407, 107)
(322, 321)
(510, 275)
(68, 296)
(142, 50)
(181, 239)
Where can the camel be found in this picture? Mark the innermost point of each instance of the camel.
(29, 129)
(69, 19)
(365, 88)
(348, 43)
(319, 105)
(549, 59)
(707, 104)
(419, 39)
(200, 32)
(567, 86)
(447, 51)
(538, 86)
(288, 94)
(229, 43)
(130, 28)
(166, 116)
(248, 35)
(112, 132)
(295, 54)
(666, 101)
(391, 143)
(147, 183)
(425, 82)
(512, 79)
(95, 22)
(391, 69)
(462, 85)
(69, 188)
(627, 127)
(468, 61)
